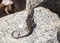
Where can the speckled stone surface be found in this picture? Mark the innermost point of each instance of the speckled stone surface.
(47, 24)
(32, 3)
(45, 31)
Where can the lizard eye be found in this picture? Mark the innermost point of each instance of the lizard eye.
(0, 1)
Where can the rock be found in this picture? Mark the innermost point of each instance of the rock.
(45, 31)
(47, 24)
(32, 3)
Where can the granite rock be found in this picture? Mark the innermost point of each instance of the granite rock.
(45, 31)
(47, 24)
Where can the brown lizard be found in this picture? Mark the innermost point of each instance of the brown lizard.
(30, 24)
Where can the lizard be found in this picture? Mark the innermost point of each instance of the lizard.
(30, 24)
(15, 7)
